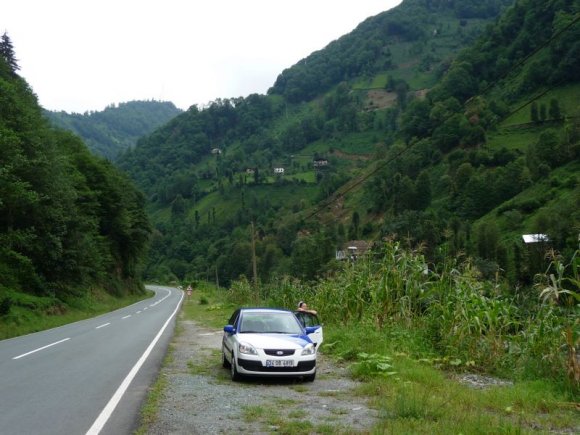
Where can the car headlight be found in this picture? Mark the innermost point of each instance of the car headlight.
(248, 349)
(309, 349)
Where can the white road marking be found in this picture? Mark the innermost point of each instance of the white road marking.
(126, 317)
(162, 299)
(114, 401)
(103, 325)
(41, 348)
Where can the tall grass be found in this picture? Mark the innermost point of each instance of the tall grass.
(466, 320)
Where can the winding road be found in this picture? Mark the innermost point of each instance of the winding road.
(87, 377)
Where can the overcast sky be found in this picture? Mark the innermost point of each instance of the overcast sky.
(81, 55)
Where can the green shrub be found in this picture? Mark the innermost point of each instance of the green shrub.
(5, 306)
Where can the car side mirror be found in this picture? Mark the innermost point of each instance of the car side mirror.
(229, 329)
(311, 329)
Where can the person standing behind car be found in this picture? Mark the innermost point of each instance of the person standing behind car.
(303, 306)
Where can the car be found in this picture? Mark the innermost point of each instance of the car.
(270, 342)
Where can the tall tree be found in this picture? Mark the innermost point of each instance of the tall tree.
(534, 112)
(7, 52)
(555, 112)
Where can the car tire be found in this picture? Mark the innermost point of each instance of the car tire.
(225, 363)
(234, 369)
(310, 378)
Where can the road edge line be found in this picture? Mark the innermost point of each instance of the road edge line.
(107, 411)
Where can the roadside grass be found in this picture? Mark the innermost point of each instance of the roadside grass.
(292, 423)
(207, 365)
(417, 393)
(30, 314)
(207, 305)
(151, 405)
(413, 389)
(411, 407)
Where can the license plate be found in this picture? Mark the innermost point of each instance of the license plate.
(279, 363)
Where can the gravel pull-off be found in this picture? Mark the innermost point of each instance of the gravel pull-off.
(200, 398)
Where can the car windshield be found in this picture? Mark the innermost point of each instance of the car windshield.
(270, 323)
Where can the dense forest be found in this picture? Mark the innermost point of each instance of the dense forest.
(69, 222)
(449, 125)
(365, 52)
(117, 128)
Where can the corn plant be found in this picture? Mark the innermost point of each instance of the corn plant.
(401, 285)
(552, 284)
(471, 323)
(286, 292)
(242, 293)
(559, 287)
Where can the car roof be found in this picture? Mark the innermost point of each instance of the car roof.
(264, 310)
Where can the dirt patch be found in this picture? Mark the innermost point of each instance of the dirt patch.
(481, 382)
(380, 99)
(352, 157)
(199, 397)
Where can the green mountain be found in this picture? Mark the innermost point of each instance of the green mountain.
(117, 128)
(70, 223)
(448, 125)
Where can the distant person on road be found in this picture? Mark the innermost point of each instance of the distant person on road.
(303, 306)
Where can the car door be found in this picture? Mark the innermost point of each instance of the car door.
(310, 321)
(228, 341)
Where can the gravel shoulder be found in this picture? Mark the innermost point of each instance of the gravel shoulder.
(200, 398)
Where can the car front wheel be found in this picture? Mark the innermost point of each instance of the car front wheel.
(310, 378)
(234, 369)
(225, 363)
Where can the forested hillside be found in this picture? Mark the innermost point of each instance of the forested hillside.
(117, 128)
(70, 223)
(390, 131)
(375, 46)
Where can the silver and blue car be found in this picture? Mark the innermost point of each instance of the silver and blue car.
(271, 342)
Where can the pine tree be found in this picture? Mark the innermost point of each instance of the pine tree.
(7, 52)
(543, 112)
(534, 112)
(555, 112)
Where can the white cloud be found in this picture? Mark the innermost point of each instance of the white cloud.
(80, 55)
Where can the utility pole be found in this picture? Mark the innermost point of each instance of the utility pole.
(254, 266)
(217, 280)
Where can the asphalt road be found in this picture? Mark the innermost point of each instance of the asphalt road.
(88, 377)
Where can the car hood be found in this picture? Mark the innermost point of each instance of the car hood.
(275, 341)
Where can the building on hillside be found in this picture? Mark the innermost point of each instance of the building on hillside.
(353, 250)
(279, 171)
(320, 163)
(216, 151)
(535, 238)
(250, 171)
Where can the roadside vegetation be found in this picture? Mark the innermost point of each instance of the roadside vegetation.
(22, 314)
(73, 228)
(411, 332)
